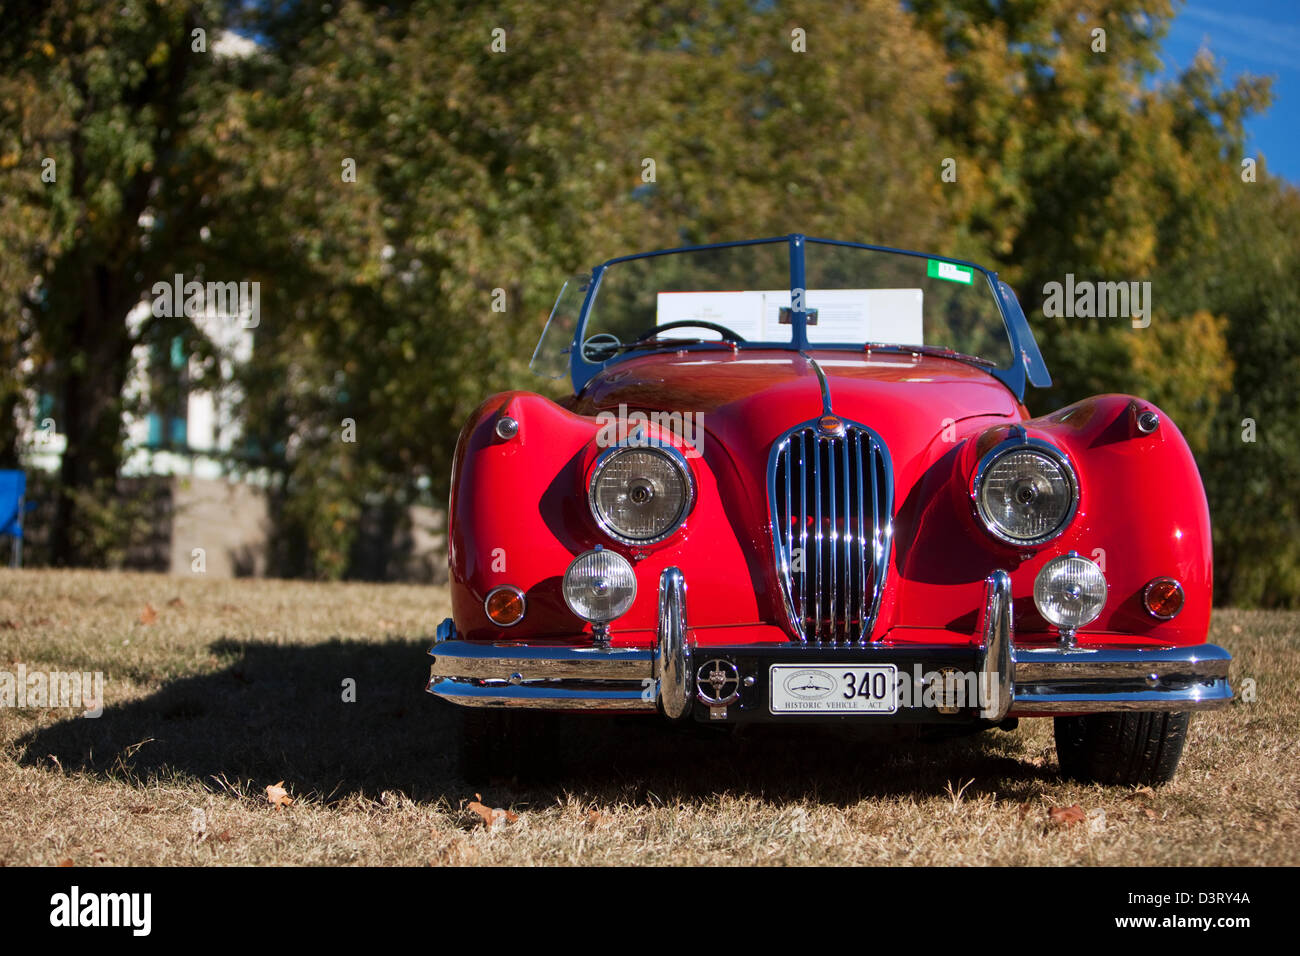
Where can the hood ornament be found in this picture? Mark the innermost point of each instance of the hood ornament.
(829, 423)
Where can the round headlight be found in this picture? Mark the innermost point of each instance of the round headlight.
(1026, 494)
(599, 586)
(640, 495)
(1070, 591)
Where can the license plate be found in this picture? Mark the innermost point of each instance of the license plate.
(845, 689)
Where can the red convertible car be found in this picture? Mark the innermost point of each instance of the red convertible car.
(795, 481)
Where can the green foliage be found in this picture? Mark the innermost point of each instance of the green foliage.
(485, 177)
(104, 176)
(1254, 485)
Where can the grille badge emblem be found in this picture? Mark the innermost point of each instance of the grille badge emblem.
(717, 684)
(830, 425)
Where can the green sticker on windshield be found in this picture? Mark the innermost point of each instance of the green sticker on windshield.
(938, 269)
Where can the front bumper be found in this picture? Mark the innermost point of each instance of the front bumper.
(1012, 681)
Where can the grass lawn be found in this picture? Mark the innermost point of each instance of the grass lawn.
(219, 689)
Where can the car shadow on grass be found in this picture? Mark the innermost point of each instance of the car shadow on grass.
(276, 712)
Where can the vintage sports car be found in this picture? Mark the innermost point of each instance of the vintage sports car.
(796, 482)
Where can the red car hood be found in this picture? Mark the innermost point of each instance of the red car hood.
(747, 399)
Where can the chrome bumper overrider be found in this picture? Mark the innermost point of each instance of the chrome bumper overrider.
(1026, 681)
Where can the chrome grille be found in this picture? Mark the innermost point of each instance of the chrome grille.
(831, 498)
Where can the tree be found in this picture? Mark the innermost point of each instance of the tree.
(104, 167)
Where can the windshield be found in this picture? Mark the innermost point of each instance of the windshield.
(741, 293)
(891, 298)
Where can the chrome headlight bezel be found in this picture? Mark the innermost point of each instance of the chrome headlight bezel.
(1044, 450)
(670, 454)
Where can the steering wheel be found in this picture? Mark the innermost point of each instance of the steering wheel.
(727, 334)
(595, 347)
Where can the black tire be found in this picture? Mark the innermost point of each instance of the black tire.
(1127, 749)
(506, 744)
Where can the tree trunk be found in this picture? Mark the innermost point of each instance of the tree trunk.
(91, 384)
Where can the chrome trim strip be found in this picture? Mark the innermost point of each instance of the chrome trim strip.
(996, 663)
(1096, 679)
(803, 538)
(1200, 662)
(846, 538)
(539, 696)
(817, 532)
(882, 524)
(673, 655)
(860, 485)
(1212, 698)
(832, 535)
(476, 661)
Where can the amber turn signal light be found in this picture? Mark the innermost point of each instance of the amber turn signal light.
(504, 606)
(1163, 598)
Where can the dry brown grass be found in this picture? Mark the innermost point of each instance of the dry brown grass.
(239, 687)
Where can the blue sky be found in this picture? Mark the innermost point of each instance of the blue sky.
(1250, 36)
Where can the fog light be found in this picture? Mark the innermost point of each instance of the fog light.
(1163, 598)
(1070, 592)
(504, 606)
(599, 586)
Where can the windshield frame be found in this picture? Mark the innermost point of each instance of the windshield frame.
(1026, 368)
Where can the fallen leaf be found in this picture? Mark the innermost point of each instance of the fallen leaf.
(483, 811)
(1142, 792)
(595, 819)
(176, 602)
(1066, 816)
(1150, 814)
(148, 615)
(67, 862)
(225, 836)
(277, 795)
(490, 815)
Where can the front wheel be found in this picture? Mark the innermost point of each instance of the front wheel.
(1132, 748)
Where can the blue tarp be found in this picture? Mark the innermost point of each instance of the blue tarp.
(13, 487)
